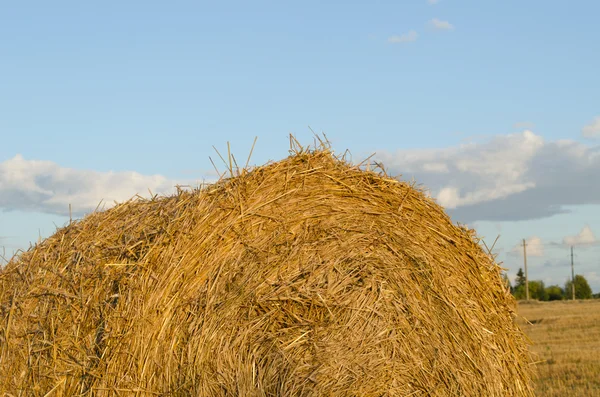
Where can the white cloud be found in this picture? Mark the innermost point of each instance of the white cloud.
(404, 38)
(534, 247)
(508, 177)
(436, 167)
(441, 25)
(44, 186)
(450, 197)
(432, 2)
(592, 130)
(592, 277)
(584, 237)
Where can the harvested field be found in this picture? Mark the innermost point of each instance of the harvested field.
(566, 341)
(304, 277)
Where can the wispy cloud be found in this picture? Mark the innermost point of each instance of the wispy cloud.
(404, 38)
(432, 2)
(592, 277)
(585, 237)
(533, 245)
(592, 130)
(509, 177)
(438, 24)
(554, 263)
(44, 186)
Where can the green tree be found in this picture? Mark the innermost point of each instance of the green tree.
(537, 290)
(520, 280)
(582, 288)
(555, 293)
(519, 289)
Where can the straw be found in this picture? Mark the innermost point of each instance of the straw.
(303, 277)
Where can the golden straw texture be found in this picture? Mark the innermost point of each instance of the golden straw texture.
(304, 277)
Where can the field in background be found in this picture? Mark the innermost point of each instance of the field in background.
(566, 341)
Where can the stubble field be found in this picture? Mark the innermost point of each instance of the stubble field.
(566, 344)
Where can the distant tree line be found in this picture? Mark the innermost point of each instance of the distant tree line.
(538, 291)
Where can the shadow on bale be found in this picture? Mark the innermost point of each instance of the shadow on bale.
(304, 277)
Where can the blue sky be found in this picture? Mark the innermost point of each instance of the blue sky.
(103, 101)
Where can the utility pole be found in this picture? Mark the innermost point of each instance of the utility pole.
(572, 275)
(526, 277)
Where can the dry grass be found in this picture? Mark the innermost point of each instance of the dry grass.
(566, 339)
(305, 277)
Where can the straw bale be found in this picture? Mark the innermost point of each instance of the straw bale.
(303, 277)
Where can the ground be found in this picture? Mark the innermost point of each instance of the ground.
(565, 338)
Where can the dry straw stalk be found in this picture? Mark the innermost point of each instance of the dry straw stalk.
(304, 277)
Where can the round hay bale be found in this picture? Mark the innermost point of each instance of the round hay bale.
(304, 277)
